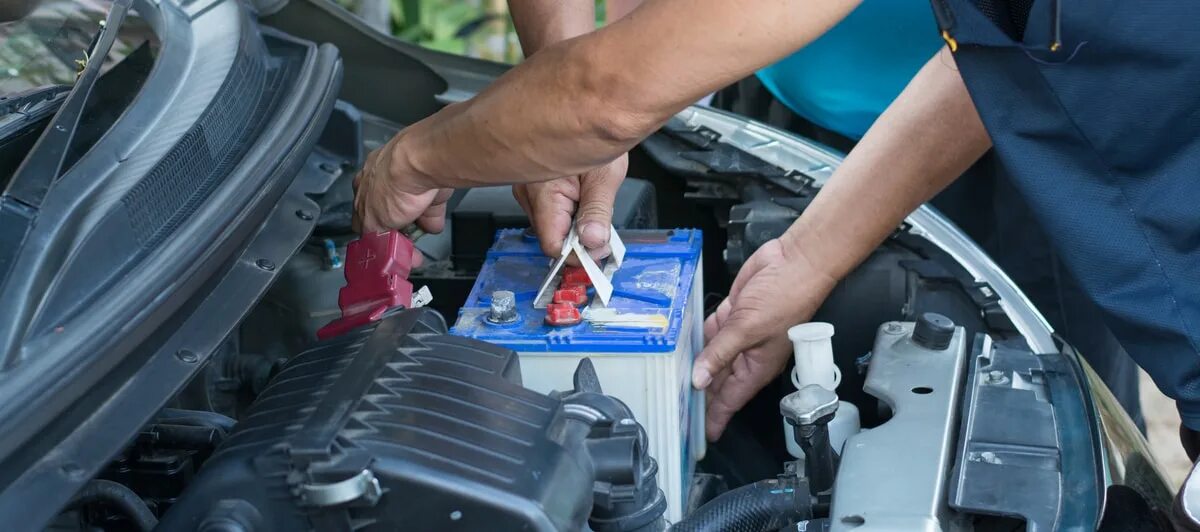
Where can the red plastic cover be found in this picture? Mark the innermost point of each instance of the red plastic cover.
(377, 268)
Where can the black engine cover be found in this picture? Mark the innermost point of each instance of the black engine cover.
(396, 426)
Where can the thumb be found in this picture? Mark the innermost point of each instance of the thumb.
(597, 193)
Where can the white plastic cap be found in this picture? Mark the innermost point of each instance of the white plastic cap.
(813, 350)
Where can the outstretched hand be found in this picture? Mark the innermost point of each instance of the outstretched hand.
(746, 338)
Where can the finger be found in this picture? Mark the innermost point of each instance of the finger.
(597, 194)
(418, 258)
(433, 219)
(737, 389)
(553, 206)
(719, 354)
(521, 194)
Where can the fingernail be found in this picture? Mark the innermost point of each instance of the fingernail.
(700, 378)
(594, 234)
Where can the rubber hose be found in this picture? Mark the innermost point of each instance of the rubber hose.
(119, 496)
(750, 508)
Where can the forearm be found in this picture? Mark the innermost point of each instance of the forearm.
(924, 141)
(578, 104)
(541, 23)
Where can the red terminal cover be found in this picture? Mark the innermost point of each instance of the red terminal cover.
(377, 268)
(575, 275)
(562, 314)
(575, 294)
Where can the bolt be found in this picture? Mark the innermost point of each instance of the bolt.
(893, 328)
(455, 515)
(265, 264)
(996, 377)
(504, 307)
(304, 215)
(186, 356)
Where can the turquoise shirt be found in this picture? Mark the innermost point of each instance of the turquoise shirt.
(845, 79)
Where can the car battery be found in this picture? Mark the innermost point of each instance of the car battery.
(642, 342)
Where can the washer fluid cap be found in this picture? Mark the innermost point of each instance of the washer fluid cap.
(811, 332)
(933, 331)
(813, 352)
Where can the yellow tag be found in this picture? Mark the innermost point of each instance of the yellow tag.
(950, 41)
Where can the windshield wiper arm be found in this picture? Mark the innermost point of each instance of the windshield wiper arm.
(44, 163)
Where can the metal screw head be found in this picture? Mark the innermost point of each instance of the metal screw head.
(996, 377)
(265, 264)
(304, 215)
(186, 356)
(808, 405)
(503, 308)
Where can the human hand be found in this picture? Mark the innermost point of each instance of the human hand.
(587, 198)
(746, 338)
(388, 193)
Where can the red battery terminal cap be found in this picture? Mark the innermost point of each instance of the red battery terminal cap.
(574, 294)
(575, 275)
(562, 314)
(377, 268)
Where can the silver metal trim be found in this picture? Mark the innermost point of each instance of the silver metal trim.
(362, 486)
(895, 476)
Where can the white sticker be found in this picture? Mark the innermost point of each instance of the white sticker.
(422, 297)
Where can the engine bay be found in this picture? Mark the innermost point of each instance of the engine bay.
(481, 411)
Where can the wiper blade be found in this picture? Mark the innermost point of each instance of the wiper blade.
(44, 163)
(22, 102)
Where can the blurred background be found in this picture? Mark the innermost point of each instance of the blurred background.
(476, 28)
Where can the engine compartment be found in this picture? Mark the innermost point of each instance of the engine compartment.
(399, 424)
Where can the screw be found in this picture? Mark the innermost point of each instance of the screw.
(327, 167)
(996, 377)
(455, 515)
(304, 215)
(265, 264)
(504, 307)
(893, 328)
(186, 356)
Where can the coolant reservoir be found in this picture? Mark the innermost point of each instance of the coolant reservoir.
(812, 345)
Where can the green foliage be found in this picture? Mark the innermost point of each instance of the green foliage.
(458, 26)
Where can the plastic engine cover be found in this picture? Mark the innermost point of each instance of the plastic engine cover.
(395, 427)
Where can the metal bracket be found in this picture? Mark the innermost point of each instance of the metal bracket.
(363, 487)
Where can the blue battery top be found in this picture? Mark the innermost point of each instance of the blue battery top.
(645, 313)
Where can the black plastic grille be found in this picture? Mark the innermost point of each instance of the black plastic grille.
(207, 153)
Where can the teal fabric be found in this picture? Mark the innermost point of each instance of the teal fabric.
(845, 79)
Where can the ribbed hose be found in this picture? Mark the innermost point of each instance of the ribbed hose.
(757, 507)
(118, 496)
